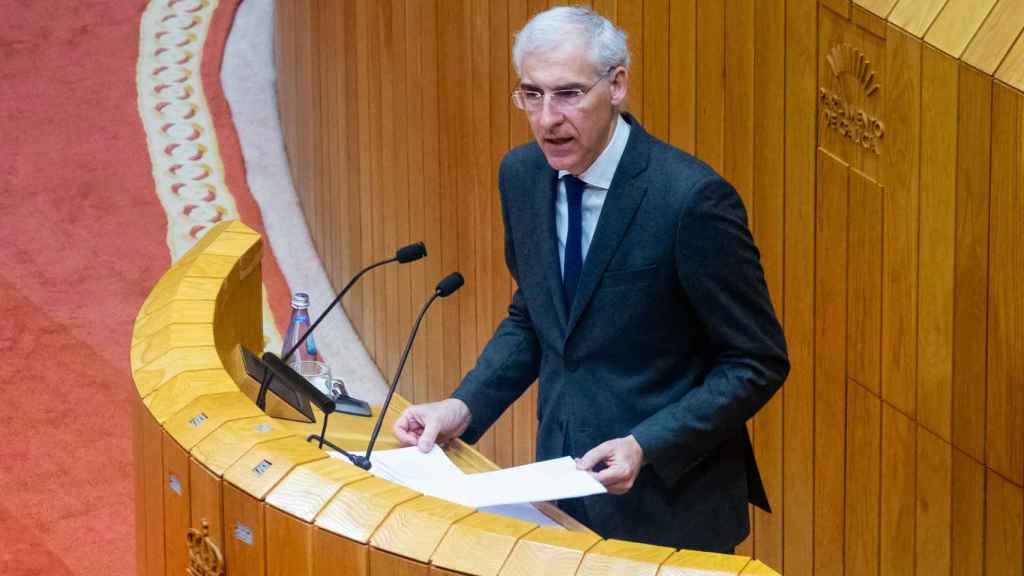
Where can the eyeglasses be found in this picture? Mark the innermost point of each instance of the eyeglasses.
(564, 99)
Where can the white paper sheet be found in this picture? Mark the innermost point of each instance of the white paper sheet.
(508, 491)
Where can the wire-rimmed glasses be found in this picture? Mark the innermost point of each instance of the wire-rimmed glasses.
(532, 100)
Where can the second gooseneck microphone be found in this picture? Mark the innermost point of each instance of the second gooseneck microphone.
(446, 287)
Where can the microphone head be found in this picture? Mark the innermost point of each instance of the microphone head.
(449, 284)
(411, 253)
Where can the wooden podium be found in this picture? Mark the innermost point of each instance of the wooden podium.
(222, 488)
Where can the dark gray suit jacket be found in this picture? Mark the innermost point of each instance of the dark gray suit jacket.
(672, 338)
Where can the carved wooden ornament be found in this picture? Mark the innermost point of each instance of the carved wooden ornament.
(204, 558)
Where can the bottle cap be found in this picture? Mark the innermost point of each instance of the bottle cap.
(300, 301)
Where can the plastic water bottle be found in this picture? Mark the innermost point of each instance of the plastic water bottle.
(297, 326)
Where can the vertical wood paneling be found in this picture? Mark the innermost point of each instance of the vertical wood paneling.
(865, 283)
(968, 515)
(939, 92)
(898, 493)
(416, 76)
(656, 106)
(524, 413)
(934, 503)
(738, 112)
(483, 193)
(501, 83)
(830, 363)
(768, 211)
(798, 279)
(971, 272)
(863, 453)
(682, 79)
(1005, 434)
(711, 82)
(1004, 520)
(366, 285)
(899, 257)
(629, 15)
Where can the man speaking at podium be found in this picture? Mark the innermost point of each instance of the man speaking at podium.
(641, 306)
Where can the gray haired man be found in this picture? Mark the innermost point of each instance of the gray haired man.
(641, 306)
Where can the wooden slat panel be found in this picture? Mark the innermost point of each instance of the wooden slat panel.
(1004, 527)
(957, 24)
(880, 8)
(483, 194)
(629, 16)
(1012, 69)
(768, 212)
(865, 282)
(207, 503)
(548, 550)
(1005, 406)
(153, 495)
(415, 528)
(691, 562)
(139, 481)
(900, 239)
(337, 556)
(244, 538)
(385, 564)
(738, 112)
(498, 291)
(863, 453)
(971, 273)
(799, 273)
(623, 558)
(840, 7)
(289, 544)
(916, 16)
(968, 515)
(830, 363)
(359, 508)
(177, 494)
(479, 544)
(711, 83)
(898, 493)
(682, 76)
(939, 95)
(934, 503)
(996, 36)
(657, 108)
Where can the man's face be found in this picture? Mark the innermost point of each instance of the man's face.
(572, 137)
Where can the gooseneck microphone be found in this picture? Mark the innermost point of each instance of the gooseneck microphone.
(446, 287)
(405, 254)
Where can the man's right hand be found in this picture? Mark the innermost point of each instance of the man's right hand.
(426, 424)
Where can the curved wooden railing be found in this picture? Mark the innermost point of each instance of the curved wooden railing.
(233, 489)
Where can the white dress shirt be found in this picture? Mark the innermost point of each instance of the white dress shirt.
(597, 179)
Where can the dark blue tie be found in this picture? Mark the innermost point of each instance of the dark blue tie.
(573, 239)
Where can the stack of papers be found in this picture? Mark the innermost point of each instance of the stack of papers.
(508, 492)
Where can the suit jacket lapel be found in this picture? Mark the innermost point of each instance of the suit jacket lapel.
(546, 238)
(624, 197)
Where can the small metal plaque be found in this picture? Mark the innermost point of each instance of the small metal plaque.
(264, 427)
(262, 467)
(174, 484)
(198, 419)
(243, 533)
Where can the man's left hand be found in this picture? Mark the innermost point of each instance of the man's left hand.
(622, 458)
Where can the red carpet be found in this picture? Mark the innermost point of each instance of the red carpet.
(82, 241)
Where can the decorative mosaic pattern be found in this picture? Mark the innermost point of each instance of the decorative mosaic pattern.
(187, 168)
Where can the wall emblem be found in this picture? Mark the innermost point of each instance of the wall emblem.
(204, 558)
(840, 112)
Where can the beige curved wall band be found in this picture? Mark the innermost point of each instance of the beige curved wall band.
(187, 170)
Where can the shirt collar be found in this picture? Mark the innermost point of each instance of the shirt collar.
(600, 173)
